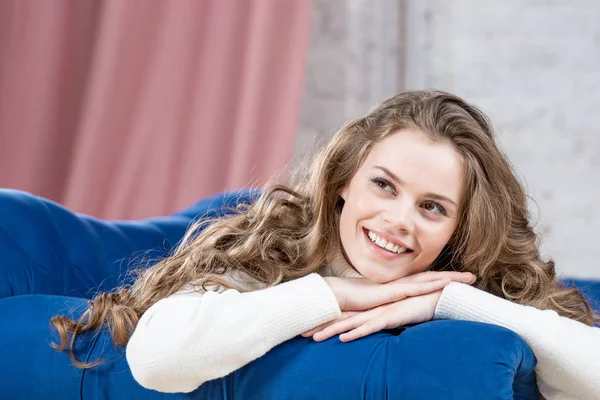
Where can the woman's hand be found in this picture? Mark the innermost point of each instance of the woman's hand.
(416, 303)
(356, 324)
(359, 294)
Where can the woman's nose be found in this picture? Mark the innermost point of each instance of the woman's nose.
(401, 216)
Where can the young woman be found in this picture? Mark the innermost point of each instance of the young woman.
(401, 202)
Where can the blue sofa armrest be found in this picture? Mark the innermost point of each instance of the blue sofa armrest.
(47, 249)
(452, 360)
(589, 288)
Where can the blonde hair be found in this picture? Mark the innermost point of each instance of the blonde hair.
(289, 232)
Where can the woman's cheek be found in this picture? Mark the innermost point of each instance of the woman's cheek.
(432, 247)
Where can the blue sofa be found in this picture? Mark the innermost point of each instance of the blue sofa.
(53, 261)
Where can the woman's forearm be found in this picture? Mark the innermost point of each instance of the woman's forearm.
(189, 338)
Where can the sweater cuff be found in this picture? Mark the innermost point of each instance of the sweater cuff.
(295, 307)
(460, 301)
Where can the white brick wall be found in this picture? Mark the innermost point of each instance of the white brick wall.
(534, 68)
(353, 64)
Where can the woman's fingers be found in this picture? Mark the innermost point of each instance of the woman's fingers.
(408, 311)
(356, 327)
(411, 310)
(428, 276)
(343, 326)
(369, 327)
(317, 329)
(366, 298)
(420, 288)
(355, 294)
(345, 314)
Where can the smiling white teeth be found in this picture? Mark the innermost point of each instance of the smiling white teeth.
(384, 244)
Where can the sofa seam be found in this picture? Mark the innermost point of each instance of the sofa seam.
(91, 350)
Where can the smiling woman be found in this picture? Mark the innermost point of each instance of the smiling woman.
(401, 207)
(417, 184)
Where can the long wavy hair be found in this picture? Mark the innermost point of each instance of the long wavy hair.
(289, 232)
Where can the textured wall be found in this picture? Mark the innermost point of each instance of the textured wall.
(533, 66)
(353, 64)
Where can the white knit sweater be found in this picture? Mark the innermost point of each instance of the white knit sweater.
(189, 338)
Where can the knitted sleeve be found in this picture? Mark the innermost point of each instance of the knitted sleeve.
(189, 338)
(567, 351)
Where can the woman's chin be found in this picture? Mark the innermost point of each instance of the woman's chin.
(377, 276)
(382, 275)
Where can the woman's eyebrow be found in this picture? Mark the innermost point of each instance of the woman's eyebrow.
(397, 179)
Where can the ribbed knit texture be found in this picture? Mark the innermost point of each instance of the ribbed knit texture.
(567, 352)
(189, 338)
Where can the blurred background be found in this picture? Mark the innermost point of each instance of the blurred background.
(128, 109)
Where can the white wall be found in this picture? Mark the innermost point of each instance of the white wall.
(353, 64)
(534, 67)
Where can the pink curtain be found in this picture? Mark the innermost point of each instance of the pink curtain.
(128, 109)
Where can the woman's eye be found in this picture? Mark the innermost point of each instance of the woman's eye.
(384, 184)
(434, 208)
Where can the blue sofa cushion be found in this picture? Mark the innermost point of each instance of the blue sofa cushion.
(436, 360)
(589, 288)
(47, 249)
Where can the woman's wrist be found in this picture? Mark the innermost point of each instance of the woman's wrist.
(333, 283)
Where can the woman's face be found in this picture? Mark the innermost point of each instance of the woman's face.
(401, 207)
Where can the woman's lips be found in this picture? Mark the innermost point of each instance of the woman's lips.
(381, 251)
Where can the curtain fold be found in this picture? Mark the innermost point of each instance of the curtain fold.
(124, 109)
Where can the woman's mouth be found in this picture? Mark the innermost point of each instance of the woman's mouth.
(381, 244)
